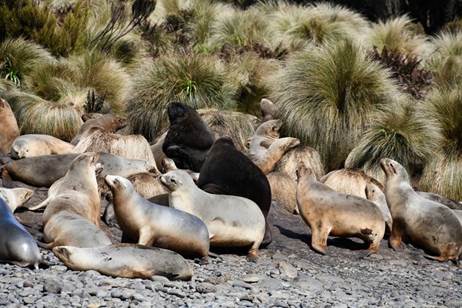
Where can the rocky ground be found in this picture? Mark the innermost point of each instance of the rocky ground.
(287, 274)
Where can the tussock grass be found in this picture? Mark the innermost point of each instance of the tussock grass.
(404, 134)
(327, 97)
(443, 174)
(400, 35)
(193, 79)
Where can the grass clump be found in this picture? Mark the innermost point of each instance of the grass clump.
(191, 78)
(327, 97)
(443, 173)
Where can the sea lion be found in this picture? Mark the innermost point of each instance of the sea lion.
(43, 171)
(68, 228)
(38, 145)
(152, 224)
(227, 171)
(266, 148)
(268, 109)
(283, 191)
(188, 138)
(127, 261)
(452, 204)
(16, 244)
(427, 224)
(232, 221)
(15, 197)
(358, 183)
(328, 212)
(76, 192)
(458, 214)
(289, 163)
(108, 122)
(377, 196)
(157, 151)
(130, 146)
(9, 129)
(147, 184)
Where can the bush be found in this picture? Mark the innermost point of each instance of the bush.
(404, 134)
(443, 174)
(193, 79)
(328, 95)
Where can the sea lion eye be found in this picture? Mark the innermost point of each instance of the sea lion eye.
(173, 180)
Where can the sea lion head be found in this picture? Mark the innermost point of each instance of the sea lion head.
(177, 112)
(269, 129)
(15, 197)
(168, 164)
(118, 183)
(67, 255)
(176, 179)
(20, 149)
(225, 140)
(303, 170)
(393, 170)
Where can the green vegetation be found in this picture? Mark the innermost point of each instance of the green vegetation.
(353, 89)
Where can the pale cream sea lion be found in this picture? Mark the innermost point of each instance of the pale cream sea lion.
(15, 197)
(232, 221)
(127, 261)
(9, 129)
(38, 145)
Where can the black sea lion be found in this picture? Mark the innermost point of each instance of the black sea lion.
(188, 138)
(227, 171)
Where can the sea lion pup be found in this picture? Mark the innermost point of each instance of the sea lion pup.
(152, 224)
(268, 109)
(232, 221)
(227, 171)
(328, 212)
(130, 146)
(9, 129)
(188, 138)
(108, 122)
(38, 145)
(126, 261)
(43, 171)
(358, 183)
(79, 190)
(427, 224)
(15, 197)
(16, 244)
(266, 148)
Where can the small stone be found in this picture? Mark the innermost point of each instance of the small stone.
(288, 269)
(176, 293)
(52, 285)
(27, 284)
(206, 288)
(241, 284)
(160, 279)
(251, 278)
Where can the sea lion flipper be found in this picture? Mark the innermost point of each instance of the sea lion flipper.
(40, 205)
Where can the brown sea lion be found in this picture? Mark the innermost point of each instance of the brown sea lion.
(9, 129)
(108, 122)
(328, 212)
(425, 223)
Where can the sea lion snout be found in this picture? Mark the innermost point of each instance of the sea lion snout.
(303, 170)
(388, 166)
(62, 252)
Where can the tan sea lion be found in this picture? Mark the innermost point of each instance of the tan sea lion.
(127, 261)
(9, 129)
(427, 224)
(266, 148)
(328, 212)
(269, 110)
(458, 214)
(15, 197)
(377, 196)
(158, 153)
(152, 224)
(38, 145)
(76, 192)
(108, 122)
(147, 184)
(232, 221)
(16, 244)
(358, 183)
(131, 146)
(43, 171)
(283, 191)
